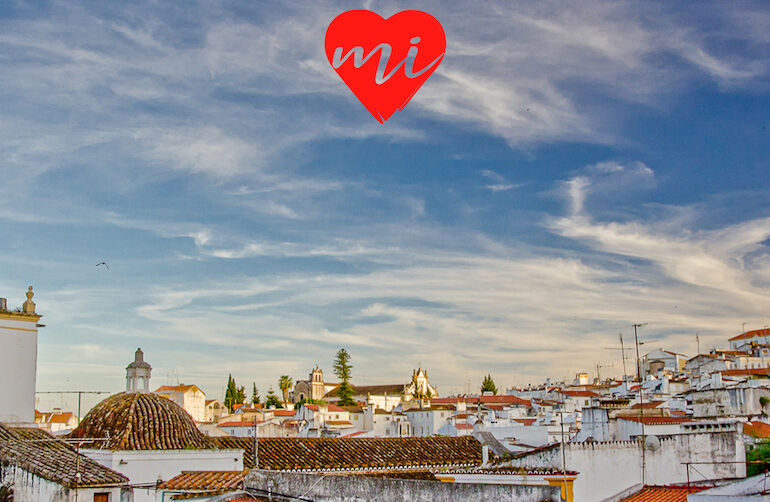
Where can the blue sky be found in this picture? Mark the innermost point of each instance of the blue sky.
(568, 170)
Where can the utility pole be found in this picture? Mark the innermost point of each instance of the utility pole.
(256, 445)
(697, 342)
(622, 350)
(641, 396)
(563, 454)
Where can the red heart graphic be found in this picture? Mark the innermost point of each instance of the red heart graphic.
(384, 61)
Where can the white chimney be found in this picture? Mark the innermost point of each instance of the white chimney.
(484, 455)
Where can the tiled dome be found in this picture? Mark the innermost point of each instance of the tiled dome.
(141, 421)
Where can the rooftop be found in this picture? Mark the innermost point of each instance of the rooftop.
(663, 494)
(751, 334)
(206, 480)
(177, 388)
(656, 420)
(44, 455)
(330, 454)
(758, 430)
(141, 421)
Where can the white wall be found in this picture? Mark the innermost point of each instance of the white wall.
(28, 487)
(147, 466)
(608, 468)
(18, 365)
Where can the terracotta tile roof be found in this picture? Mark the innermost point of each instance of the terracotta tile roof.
(732, 352)
(178, 388)
(578, 393)
(339, 422)
(205, 480)
(283, 413)
(747, 372)
(647, 405)
(237, 423)
(525, 421)
(504, 399)
(502, 470)
(141, 421)
(40, 436)
(353, 409)
(759, 430)
(356, 453)
(751, 334)
(60, 418)
(330, 407)
(46, 456)
(656, 420)
(462, 426)
(663, 494)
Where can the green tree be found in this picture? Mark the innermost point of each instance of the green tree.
(231, 393)
(342, 369)
(760, 452)
(285, 384)
(254, 394)
(488, 385)
(308, 400)
(240, 395)
(272, 399)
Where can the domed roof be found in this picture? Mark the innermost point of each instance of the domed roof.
(141, 421)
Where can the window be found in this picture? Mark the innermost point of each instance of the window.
(101, 497)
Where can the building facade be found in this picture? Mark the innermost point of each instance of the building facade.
(18, 361)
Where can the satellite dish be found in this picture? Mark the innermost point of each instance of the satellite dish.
(652, 443)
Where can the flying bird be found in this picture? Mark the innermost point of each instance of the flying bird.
(103, 263)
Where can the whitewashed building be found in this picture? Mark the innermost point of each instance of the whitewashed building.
(190, 397)
(18, 361)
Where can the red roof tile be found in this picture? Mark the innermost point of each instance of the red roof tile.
(525, 421)
(356, 453)
(239, 424)
(663, 494)
(751, 334)
(205, 480)
(504, 399)
(330, 407)
(747, 372)
(180, 388)
(283, 413)
(759, 430)
(657, 420)
(578, 393)
(60, 418)
(339, 422)
(40, 453)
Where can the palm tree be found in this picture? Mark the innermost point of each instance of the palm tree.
(285, 384)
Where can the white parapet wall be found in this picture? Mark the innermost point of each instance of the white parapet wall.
(610, 467)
